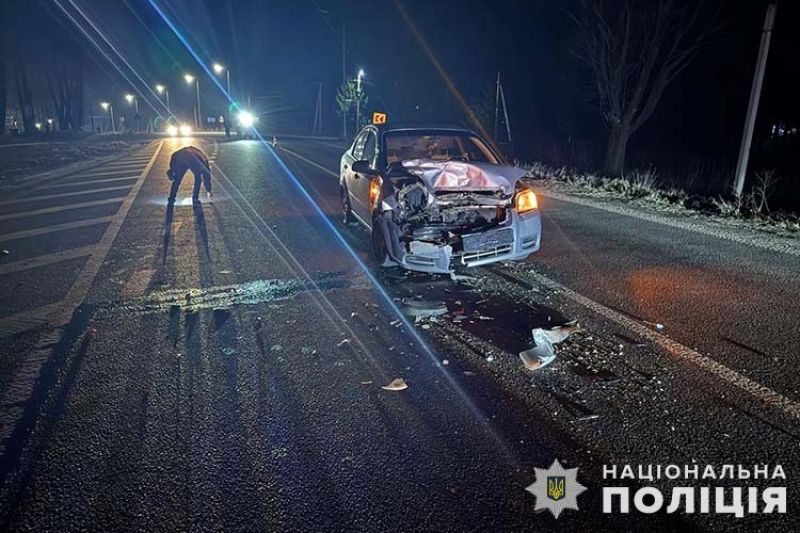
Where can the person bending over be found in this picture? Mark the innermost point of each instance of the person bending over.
(183, 160)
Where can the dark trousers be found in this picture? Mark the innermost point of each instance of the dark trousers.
(198, 176)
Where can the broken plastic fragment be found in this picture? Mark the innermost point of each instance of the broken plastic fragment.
(276, 348)
(419, 309)
(534, 361)
(543, 352)
(343, 342)
(227, 350)
(396, 385)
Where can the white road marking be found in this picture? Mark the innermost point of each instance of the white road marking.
(63, 194)
(91, 182)
(763, 241)
(759, 391)
(107, 173)
(21, 386)
(310, 162)
(89, 271)
(54, 228)
(42, 260)
(56, 209)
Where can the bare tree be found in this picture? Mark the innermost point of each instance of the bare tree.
(633, 52)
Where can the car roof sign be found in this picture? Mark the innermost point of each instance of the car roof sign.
(379, 118)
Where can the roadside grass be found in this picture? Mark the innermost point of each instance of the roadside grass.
(643, 186)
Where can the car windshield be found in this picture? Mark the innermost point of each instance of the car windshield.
(439, 146)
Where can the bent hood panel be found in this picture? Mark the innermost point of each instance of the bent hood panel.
(459, 175)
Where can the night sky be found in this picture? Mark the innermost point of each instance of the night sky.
(278, 50)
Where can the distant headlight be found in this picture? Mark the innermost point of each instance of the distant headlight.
(526, 201)
(246, 119)
(186, 130)
(172, 130)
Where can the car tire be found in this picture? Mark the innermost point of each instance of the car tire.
(379, 253)
(347, 210)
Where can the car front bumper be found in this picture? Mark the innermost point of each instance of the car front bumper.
(525, 238)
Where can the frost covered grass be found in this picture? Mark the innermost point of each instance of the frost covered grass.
(644, 187)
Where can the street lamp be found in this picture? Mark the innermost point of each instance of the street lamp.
(219, 69)
(110, 108)
(358, 97)
(188, 78)
(162, 89)
(132, 99)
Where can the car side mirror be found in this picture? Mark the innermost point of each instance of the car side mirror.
(363, 167)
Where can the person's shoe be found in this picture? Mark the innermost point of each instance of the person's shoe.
(210, 196)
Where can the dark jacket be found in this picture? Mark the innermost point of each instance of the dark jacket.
(188, 158)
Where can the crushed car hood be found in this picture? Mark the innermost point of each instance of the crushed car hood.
(463, 176)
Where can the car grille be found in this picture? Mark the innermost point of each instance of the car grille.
(468, 258)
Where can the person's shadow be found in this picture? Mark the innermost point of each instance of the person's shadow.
(200, 224)
(167, 230)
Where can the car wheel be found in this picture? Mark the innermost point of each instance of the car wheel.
(347, 211)
(379, 253)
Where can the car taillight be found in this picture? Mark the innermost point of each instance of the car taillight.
(526, 201)
(374, 191)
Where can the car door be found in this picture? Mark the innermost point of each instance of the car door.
(361, 182)
(351, 156)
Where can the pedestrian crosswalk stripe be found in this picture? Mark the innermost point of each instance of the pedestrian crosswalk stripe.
(43, 260)
(54, 228)
(63, 194)
(56, 209)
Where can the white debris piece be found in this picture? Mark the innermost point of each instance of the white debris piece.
(420, 309)
(543, 352)
(396, 385)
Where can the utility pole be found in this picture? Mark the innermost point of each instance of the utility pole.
(755, 96)
(496, 104)
(505, 113)
(500, 96)
(316, 129)
(344, 75)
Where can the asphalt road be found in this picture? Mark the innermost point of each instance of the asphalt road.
(219, 367)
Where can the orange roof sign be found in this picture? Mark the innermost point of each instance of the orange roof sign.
(379, 118)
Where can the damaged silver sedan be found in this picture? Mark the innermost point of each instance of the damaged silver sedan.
(437, 199)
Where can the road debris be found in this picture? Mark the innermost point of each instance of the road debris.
(276, 348)
(543, 352)
(343, 342)
(396, 385)
(422, 309)
(227, 350)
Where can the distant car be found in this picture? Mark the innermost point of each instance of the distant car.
(435, 199)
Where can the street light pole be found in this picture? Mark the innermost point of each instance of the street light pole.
(188, 78)
(358, 98)
(199, 112)
(218, 68)
(755, 96)
(110, 108)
